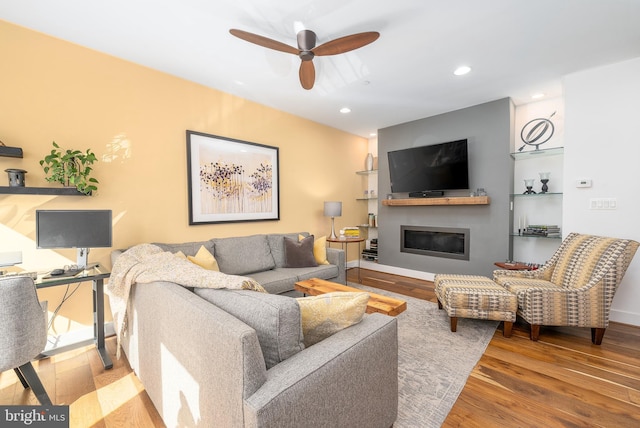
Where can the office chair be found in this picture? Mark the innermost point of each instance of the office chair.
(23, 331)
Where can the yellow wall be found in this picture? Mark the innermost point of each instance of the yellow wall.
(135, 119)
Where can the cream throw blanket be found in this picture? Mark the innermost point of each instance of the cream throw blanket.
(146, 263)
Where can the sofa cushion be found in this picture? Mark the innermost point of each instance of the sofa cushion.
(278, 280)
(299, 253)
(320, 272)
(276, 243)
(329, 313)
(276, 319)
(243, 255)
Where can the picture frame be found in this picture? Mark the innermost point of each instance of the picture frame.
(231, 180)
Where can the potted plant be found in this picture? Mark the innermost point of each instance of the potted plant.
(71, 168)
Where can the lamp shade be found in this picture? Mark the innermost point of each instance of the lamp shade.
(333, 209)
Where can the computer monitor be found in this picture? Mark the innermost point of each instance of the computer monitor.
(81, 229)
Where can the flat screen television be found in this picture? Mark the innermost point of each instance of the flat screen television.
(81, 229)
(430, 170)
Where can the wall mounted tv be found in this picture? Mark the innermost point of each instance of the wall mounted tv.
(428, 171)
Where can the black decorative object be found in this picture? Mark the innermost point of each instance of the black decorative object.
(16, 177)
(528, 183)
(544, 178)
(538, 131)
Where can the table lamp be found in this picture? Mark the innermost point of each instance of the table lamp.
(332, 209)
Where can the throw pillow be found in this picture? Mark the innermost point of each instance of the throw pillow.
(204, 259)
(329, 313)
(319, 249)
(275, 318)
(180, 255)
(300, 253)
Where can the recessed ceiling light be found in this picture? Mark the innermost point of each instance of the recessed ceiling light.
(345, 110)
(537, 96)
(462, 70)
(372, 134)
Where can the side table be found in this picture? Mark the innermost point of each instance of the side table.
(513, 266)
(344, 244)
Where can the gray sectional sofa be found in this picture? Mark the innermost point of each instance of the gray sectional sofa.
(235, 358)
(262, 258)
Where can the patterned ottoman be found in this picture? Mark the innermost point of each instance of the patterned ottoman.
(473, 296)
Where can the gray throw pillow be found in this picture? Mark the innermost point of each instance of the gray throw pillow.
(299, 253)
(276, 319)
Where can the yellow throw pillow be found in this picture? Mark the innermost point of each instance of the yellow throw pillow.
(181, 255)
(204, 259)
(329, 313)
(319, 249)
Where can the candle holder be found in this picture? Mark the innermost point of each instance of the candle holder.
(528, 183)
(544, 178)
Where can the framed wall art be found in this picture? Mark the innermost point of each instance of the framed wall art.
(231, 180)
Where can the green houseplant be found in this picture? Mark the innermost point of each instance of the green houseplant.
(71, 168)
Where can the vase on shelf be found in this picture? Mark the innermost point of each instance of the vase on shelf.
(16, 177)
(368, 162)
(544, 178)
(528, 183)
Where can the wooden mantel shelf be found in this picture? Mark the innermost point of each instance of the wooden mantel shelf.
(460, 200)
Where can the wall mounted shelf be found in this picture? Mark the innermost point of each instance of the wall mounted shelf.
(367, 172)
(60, 191)
(10, 152)
(462, 200)
(530, 154)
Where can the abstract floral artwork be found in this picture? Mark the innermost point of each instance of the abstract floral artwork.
(231, 180)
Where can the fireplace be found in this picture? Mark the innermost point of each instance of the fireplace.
(447, 242)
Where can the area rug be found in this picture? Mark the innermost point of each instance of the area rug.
(433, 362)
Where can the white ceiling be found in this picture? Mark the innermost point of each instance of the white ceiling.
(515, 48)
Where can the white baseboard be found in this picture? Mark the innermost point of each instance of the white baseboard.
(624, 317)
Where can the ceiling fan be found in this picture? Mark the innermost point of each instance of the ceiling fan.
(307, 48)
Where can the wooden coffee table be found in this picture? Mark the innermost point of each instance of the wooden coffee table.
(377, 302)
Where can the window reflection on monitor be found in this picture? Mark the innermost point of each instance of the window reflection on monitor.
(80, 229)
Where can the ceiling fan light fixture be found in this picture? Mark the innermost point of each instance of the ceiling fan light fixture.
(462, 70)
(307, 48)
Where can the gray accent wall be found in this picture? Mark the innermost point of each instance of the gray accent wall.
(489, 130)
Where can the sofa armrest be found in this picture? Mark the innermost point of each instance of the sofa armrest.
(174, 342)
(336, 256)
(349, 379)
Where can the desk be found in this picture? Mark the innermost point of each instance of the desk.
(97, 278)
(344, 243)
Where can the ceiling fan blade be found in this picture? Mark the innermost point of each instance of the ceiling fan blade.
(264, 41)
(307, 74)
(346, 43)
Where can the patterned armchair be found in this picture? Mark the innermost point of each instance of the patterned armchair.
(575, 287)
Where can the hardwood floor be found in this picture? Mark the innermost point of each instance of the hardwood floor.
(560, 381)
